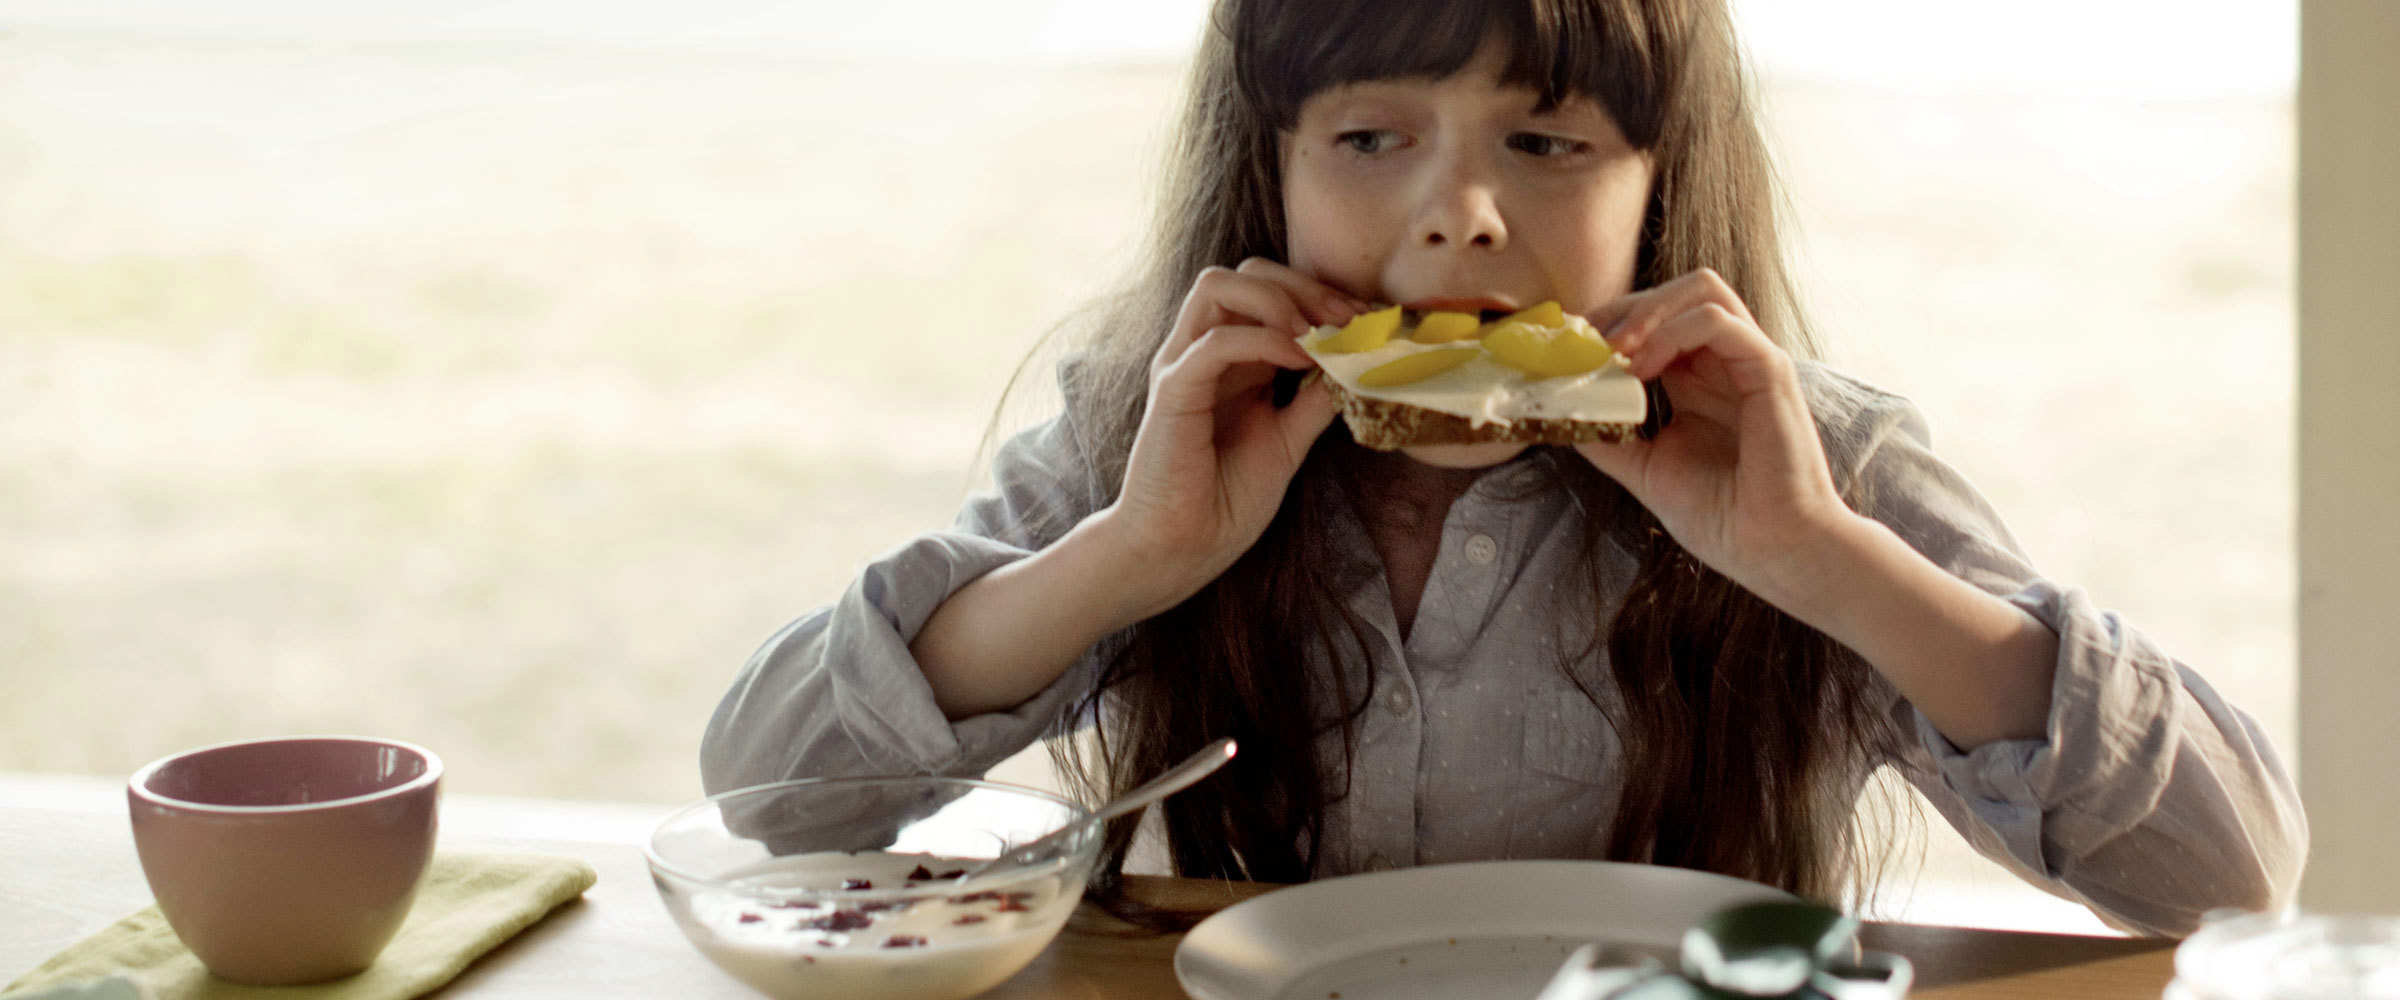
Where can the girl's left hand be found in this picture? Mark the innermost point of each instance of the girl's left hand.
(1738, 477)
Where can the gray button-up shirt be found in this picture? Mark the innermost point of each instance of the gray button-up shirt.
(2150, 799)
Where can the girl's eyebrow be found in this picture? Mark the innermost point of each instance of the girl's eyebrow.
(1528, 102)
(1576, 109)
(1401, 95)
(1573, 108)
(1350, 100)
(1386, 89)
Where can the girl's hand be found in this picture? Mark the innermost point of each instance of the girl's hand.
(1214, 453)
(1738, 478)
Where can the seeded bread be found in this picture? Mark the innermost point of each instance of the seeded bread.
(1388, 426)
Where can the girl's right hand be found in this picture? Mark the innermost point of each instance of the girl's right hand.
(1214, 453)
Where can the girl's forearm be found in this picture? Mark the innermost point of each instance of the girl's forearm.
(1979, 667)
(1002, 638)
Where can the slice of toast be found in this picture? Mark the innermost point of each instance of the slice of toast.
(1537, 376)
(1388, 426)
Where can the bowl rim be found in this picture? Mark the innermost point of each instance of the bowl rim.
(138, 786)
(2198, 958)
(1082, 815)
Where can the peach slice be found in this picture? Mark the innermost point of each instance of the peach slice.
(1546, 314)
(1416, 367)
(1366, 332)
(1547, 352)
(1445, 327)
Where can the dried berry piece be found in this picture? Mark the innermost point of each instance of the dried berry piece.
(952, 873)
(751, 918)
(856, 884)
(919, 874)
(968, 918)
(793, 904)
(973, 898)
(840, 920)
(904, 941)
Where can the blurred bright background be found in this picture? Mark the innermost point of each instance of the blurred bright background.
(496, 375)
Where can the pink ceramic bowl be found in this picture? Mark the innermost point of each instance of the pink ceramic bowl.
(288, 860)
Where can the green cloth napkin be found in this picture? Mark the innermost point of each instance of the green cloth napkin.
(467, 905)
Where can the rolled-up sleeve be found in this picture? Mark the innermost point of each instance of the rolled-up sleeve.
(2148, 798)
(837, 692)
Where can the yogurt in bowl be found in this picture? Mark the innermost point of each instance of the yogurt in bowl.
(853, 887)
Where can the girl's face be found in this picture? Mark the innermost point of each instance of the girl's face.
(1457, 192)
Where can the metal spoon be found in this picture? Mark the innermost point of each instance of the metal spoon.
(1177, 778)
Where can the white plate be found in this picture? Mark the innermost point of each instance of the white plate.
(1492, 930)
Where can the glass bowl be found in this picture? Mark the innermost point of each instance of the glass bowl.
(831, 888)
(2289, 956)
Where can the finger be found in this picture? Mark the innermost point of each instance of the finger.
(1632, 319)
(1742, 355)
(1311, 410)
(1752, 387)
(1230, 297)
(1190, 382)
(1323, 303)
(1622, 461)
(1607, 318)
(1222, 296)
(1191, 319)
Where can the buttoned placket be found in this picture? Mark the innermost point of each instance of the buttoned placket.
(1397, 731)
(1469, 572)
(1380, 804)
(1470, 567)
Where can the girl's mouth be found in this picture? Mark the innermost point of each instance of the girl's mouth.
(1483, 308)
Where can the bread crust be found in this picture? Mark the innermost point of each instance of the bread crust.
(1388, 426)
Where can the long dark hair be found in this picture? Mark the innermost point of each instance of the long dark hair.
(1746, 734)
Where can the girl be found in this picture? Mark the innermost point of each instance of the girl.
(1692, 651)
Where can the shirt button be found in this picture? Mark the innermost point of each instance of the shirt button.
(1378, 863)
(1481, 550)
(1399, 701)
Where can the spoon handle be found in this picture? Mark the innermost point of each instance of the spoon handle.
(1177, 778)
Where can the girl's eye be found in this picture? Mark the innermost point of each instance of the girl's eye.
(1545, 145)
(1369, 140)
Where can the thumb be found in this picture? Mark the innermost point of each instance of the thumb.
(1622, 461)
(1308, 414)
(1617, 309)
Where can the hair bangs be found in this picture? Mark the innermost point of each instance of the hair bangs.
(1287, 51)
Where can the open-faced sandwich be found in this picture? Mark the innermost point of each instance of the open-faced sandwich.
(1539, 375)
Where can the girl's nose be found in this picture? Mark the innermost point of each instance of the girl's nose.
(1463, 212)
